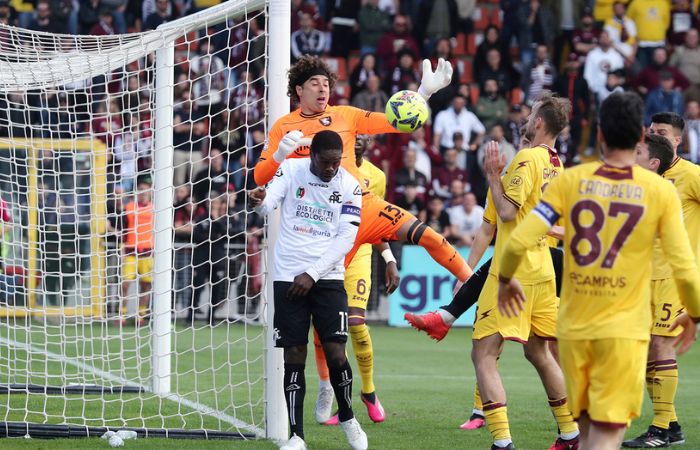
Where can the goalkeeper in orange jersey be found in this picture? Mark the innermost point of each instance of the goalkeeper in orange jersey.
(310, 84)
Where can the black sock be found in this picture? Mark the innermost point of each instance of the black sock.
(674, 426)
(469, 293)
(294, 391)
(341, 380)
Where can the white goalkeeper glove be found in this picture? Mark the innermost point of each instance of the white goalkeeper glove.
(431, 82)
(288, 144)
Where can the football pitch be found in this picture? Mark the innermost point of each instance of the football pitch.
(425, 387)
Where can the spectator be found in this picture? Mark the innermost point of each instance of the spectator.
(599, 62)
(686, 58)
(207, 71)
(137, 263)
(466, 220)
(188, 129)
(491, 108)
(343, 26)
(439, 19)
(405, 73)
(495, 69)
(443, 175)
(585, 38)
(492, 40)
(454, 119)
(615, 82)
(116, 7)
(535, 26)
(88, 15)
(392, 42)
(457, 190)
(372, 98)
(11, 16)
(183, 214)
(692, 125)
(247, 98)
(436, 217)
(160, 16)
(301, 7)
(516, 118)
(210, 257)
(682, 21)
(360, 74)
(664, 98)
(148, 7)
(409, 174)
(564, 145)
(409, 200)
(214, 179)
(128, 148)
(622, 32)
(507, 150)
(649, 78)
(105, 26)
(541, 76)
(652, 18)
(43, 21)
(573, 86)
(307, 40)
(426, 155)
(373, 22)
(442, 98)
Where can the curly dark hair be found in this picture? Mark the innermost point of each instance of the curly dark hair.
(298, 74)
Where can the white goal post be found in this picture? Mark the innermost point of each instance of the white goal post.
(133, 290)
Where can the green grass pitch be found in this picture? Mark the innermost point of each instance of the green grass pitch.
(426, 389)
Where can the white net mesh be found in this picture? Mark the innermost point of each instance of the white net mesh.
(78, 336)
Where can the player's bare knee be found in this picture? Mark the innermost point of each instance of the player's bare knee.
(295, 355)
(661, 347)
(538, 355)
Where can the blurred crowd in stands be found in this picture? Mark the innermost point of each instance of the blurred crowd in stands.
(504, 54)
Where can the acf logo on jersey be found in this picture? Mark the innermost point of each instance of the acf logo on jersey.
(325, 121)
(300, 192)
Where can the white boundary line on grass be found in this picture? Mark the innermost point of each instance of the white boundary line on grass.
(204, 409)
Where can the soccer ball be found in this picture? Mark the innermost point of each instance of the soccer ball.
(407, 111)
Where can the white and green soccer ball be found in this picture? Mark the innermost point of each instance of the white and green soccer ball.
(407, 111)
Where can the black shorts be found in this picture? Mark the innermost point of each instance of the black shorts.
(326, 305)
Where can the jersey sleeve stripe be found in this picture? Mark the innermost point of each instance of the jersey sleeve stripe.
(516, 204)
(545, 212)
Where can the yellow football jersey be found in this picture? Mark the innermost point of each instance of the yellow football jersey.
(612, 216)
(374, 180)
(523, 183)
(685, 176)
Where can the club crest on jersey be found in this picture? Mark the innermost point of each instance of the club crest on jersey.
(303, 151)
(300, 192)
(325, 121)
(335, 197)
(516, 181)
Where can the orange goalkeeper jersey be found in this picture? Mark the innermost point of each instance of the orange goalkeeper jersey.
(347, 121)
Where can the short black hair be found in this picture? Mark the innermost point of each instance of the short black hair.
(661, 149)
(326, 140)
(670, 118)
(622, 120)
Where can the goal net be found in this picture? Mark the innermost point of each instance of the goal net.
(132, 283)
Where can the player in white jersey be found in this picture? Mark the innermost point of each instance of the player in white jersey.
(320, 204)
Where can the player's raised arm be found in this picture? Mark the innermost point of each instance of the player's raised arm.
(276, 151)
(507, 194)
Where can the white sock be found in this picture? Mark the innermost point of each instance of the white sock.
(568, 436)
(448, 318)
(478, 411)
(503, 442)
(325, 384)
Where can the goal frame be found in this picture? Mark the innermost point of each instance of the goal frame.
(278, 60)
